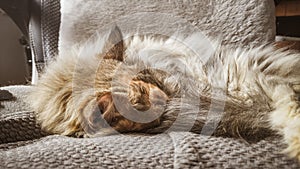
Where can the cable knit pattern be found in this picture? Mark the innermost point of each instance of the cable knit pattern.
(24, 145)
(246, 22)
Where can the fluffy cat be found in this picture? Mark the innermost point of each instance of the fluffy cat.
(153, 85)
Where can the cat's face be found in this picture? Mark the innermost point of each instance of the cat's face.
(115, 112)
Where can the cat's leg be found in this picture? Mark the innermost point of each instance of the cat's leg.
(117, 120)
(158, 79)
(139, 95)
(106, 119)
(286, 118)
(143, 95)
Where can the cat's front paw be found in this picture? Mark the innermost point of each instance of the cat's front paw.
(143, 95)
(290, 125)
(293, 149)
(139, 95)
(292, 133)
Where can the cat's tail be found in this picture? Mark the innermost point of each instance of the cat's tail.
(181, 115)
(219, 116)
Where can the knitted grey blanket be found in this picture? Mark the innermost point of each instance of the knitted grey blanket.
(24, 145)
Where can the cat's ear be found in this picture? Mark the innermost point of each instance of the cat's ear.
(114, 46)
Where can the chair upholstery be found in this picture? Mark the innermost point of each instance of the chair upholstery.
(24, 145)
(39, 21)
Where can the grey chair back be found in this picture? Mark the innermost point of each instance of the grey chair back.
(39, 21)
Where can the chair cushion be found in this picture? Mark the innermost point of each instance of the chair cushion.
(246, 22)
(24, 144)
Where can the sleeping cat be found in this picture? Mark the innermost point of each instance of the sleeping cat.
(154, 85)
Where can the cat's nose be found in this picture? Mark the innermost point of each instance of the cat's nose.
(100, 110)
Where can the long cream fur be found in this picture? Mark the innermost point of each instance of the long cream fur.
(254, 91)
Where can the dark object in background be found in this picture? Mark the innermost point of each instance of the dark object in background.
(288, 26)
(277, 2)
(5, 95)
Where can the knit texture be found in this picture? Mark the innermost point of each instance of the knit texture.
(24, 145)
(243, 22)
(50, 22)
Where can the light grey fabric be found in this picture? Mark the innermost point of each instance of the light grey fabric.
(16, 121)
(24, 145)
(19, 93)
(44, 30)
(243, 22)
(50, 22)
